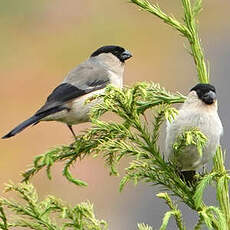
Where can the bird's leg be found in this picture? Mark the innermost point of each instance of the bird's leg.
(203, 170)
(70, 127)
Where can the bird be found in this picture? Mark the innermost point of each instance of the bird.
(200, 111)
(66, 103)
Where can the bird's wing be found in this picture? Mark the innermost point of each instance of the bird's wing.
(84, 79)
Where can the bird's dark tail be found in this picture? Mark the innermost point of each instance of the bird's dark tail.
(33, 120)
(23, 125)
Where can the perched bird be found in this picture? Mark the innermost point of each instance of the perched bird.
(198, 111)
(67, 101)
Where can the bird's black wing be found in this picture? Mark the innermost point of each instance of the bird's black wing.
(87, 79)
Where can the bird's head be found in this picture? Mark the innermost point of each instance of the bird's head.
(117, 51)
(205, 92)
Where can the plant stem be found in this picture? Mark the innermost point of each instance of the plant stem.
(222, 185)
(188, 30)
(194, 41)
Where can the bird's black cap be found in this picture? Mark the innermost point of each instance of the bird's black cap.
(203, 88)
(205, 92)
(117, 51)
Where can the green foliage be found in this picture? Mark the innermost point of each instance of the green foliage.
(222, 185)
(135, 138)
(174, 212)
(190, 137)
(144, 227)
(200, 188)
(50, 214)
(114, 140)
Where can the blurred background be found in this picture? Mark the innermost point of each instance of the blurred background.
(42, 40)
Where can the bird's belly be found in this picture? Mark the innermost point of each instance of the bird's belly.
(190, 158)
(78, 111)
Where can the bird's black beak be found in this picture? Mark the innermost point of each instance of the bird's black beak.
(125, 55)
(209, 97)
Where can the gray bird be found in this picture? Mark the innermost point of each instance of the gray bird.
(67, 101)
(198, 111)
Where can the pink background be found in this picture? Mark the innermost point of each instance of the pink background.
(42, 40)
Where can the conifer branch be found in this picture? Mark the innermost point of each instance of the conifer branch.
(222, 185)
(133, 138)
(189, 29)
(144, 227)
(174, 211)
(40, 215)
(130, 105)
